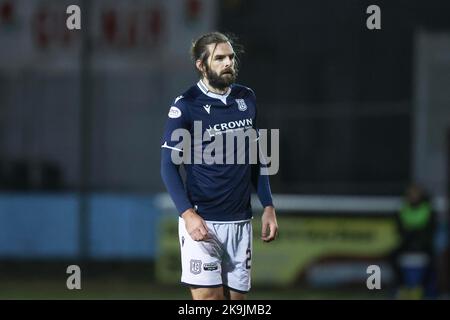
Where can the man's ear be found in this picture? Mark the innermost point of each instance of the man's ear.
(199, 65)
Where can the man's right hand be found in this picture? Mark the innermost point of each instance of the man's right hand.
(195, 225)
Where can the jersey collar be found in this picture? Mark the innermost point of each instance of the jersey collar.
(205, 90)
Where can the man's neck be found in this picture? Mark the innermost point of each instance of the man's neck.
(212, 89)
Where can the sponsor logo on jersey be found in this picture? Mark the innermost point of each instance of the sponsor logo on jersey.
(196, 266)
(241, 104)
(174, 112)
(231, 126)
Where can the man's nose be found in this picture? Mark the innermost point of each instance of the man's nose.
(228, 62)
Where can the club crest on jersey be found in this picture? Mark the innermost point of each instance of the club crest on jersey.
(241, 104)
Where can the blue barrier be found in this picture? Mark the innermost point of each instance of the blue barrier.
(123, 226)
(33, 226)
(47, 226)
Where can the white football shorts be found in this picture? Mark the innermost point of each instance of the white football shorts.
(222, 260)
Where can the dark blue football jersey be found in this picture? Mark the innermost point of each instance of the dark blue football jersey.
(218, 191)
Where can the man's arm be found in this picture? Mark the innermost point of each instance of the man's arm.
(195, 225)
(173, 182)
(269, 220)
(262, 186)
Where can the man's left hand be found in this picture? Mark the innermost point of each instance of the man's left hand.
(269, 224)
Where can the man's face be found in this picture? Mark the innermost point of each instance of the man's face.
(220, 66)
(414, 195)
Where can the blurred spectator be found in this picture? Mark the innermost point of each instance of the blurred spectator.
(414, 257)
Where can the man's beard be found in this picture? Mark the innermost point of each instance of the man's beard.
(222, 81)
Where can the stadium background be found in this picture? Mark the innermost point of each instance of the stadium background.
(362, 113)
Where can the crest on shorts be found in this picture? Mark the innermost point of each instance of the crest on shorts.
(196, 266)
(182, 241)
(241, 104)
